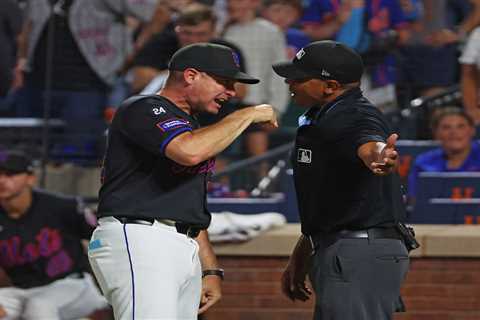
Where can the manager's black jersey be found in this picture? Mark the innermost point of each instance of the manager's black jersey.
(335, 189)
(138, 179)
(44, 244)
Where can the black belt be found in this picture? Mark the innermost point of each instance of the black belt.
(371, 233)
(186, 229)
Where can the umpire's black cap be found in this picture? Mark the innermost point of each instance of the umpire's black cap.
(15, 162)
(324, 60)
(212, 58)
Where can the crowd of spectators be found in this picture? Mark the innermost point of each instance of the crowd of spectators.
(77, 60)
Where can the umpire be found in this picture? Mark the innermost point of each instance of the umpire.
(349, 197)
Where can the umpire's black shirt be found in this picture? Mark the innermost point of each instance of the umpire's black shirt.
(138, 179)
(335, 189)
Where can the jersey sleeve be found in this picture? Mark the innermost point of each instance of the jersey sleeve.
(370, 127)
(152, 125)
(360, 128)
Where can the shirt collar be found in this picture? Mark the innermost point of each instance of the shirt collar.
(177, 110)
(347, 95)
(316, 112)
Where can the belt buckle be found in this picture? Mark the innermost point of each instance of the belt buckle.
(187, 230)
(142, 221)
(167, 222)
(192, 232)
(354, 234)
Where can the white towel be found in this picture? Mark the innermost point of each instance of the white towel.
(233, 227)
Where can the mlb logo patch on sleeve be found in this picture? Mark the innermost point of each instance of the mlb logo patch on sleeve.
(172, 124)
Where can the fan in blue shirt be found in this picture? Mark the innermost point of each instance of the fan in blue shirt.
(361, 24)
(458, 152)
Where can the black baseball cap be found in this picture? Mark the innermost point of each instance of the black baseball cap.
(212, 58)
(324, 60)
(15, 162)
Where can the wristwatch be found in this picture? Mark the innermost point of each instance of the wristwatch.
(213, 272)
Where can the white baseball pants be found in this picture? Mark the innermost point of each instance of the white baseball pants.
(67, 298)
(146, 272)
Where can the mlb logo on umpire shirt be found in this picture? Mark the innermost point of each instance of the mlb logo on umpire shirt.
(304, 155)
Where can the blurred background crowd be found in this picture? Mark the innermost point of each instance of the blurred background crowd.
(66, 65)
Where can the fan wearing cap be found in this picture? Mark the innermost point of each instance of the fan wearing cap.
(150, 250)
(349, 196)
(42, 253)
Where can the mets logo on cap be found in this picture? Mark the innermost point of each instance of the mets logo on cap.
(236, 59)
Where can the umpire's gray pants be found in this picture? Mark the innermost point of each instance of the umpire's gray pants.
(357, 279)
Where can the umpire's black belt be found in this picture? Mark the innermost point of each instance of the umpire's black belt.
(183, 228)
(371, 233)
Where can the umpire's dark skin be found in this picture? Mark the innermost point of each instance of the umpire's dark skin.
(380, 158)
